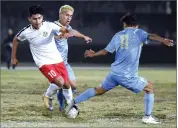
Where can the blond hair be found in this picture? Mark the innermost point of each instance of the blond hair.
(66, 7)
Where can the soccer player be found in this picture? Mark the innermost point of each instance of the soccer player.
(40, 35)
(124, 70)
(65, 17)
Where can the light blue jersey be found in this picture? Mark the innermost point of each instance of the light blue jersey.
(62, 46)
(124, 71)
(128, 45)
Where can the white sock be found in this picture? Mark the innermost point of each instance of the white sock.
(68, 95)
(52, 89)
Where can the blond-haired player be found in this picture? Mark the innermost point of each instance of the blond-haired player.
(65, 16)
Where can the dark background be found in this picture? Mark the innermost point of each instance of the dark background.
(100, 21)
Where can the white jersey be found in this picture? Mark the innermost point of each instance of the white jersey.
(42, 43)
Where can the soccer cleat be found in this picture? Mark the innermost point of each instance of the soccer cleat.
(47, 102)
(68, 107)
(150, 120)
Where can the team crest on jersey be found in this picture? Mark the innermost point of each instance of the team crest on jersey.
(45, 34)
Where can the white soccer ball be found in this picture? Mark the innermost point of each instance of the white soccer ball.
(73, 113)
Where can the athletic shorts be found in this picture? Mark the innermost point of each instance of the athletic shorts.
(52, 71)
(135, 84)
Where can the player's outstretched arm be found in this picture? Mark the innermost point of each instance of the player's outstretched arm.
(91, 53)
(14, 60)
(80, 35)
(165, 41)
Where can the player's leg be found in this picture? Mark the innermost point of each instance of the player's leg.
(72, 82)
(108, 84)
(67, 91)
(72, 78)
(53, 76)
(138, 84)
(149, 102)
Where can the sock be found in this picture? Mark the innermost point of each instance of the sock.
(85, 95)
(68, 94)
(149, 101)
(52, 89)
(61, 99)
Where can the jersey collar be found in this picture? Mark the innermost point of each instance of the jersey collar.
(60, 24)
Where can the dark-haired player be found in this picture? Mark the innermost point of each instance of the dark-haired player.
(124, 70)
(40, 36)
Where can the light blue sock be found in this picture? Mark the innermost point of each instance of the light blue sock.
(85, 95)
(149, 101)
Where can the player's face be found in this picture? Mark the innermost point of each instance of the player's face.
(65, 17)
(36, 20)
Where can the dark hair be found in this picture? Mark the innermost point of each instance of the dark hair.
(35, 9)
(130, 19)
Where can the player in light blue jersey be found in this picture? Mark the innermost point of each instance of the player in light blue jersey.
(127, 44)
(65, 16)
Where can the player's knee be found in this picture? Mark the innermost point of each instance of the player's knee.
(99, 90)
(73, 84)
(66, 85)
(149, 88)
(59, 81)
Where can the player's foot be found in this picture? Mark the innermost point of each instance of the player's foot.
(69, 106)
(47, 102)
(150, 120)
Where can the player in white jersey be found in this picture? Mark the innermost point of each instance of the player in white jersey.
(124, 70)
(40, 36)
(65, 16)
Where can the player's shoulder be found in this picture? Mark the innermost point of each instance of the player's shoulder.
(57, 23)
(24, 30)
(46, 22)
(120, 33)
(140, 30)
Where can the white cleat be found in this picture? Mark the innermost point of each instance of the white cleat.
(150, 120)
(68, 107)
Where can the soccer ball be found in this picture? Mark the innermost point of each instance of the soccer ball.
(73, 113)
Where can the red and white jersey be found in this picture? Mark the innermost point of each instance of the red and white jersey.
(42, 43)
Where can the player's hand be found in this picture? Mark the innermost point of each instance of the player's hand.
(168, 42)
(87, 39)
(63, 30)
(14, 61)
(89, 53)
(64, 34)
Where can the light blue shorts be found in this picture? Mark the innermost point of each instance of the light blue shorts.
(135, 83)
(70, 72)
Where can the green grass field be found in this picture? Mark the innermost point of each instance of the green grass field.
(21, 101)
